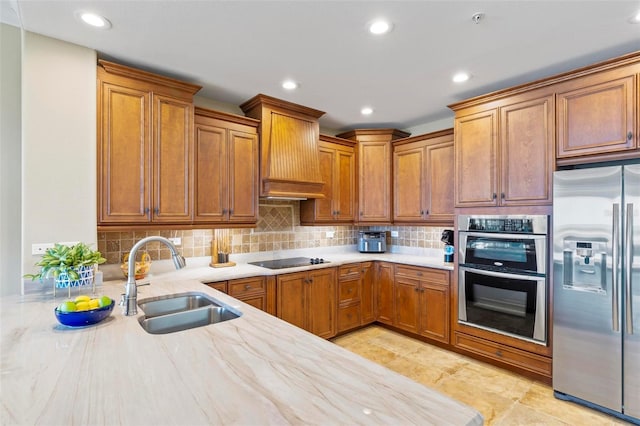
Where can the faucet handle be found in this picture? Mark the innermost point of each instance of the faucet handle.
(121, 299)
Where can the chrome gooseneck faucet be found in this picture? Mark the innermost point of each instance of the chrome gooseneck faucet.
(131, 289)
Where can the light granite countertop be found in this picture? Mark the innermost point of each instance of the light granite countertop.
(252, 370)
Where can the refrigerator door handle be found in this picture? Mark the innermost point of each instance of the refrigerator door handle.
(629, 261)
(615, 308)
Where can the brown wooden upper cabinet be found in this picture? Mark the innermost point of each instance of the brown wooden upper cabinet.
(423, 173)
(374, 173)
(598, 113)
(226, 168)
(504, 150)
(145, 147)
(338, 169)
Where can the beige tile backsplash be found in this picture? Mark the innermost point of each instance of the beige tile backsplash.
(278, 228)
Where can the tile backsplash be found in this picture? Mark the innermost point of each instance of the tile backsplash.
(278, 228)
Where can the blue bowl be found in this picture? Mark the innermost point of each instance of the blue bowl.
(84, 318)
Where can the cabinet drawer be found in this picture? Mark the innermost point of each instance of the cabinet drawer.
(349, 270)
(220, 285)
(521, 359)
(424, 274)
(238, 288)
(349, 290)
(348, 317)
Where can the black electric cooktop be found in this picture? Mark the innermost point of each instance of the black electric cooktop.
(291, 262)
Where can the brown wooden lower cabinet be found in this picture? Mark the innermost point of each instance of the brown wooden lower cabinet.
(308, 300)
(422, 301)
(525, 361)
(356, 296)
(384, 285)
(254, 291)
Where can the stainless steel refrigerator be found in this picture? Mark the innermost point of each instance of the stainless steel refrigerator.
(596, 288)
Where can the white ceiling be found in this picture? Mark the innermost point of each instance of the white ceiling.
(237, 49)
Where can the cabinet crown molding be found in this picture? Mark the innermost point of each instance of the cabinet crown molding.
(125, 71)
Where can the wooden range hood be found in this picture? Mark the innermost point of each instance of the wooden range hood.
(289, 137)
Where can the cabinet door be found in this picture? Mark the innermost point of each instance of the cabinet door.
(408, 183)
(345, 184)
(172, 159)
(439, 182)
(292, 300)
(243, 176)
(407, 301)
(596, 114)
(124, 155)
(368, 294)
(210, 173)
(322, 302)
(527, 133)
(324, 206)
(384, 284)
(475, 148)
(434, 304)
(374, 179)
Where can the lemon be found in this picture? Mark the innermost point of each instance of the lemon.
(82, 306)
(67, 306)
(104, 301)
(82, 299)
(94, 303)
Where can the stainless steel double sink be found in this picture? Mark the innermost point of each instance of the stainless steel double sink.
(183, 311)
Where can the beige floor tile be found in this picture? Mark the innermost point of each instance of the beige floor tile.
(502, 397)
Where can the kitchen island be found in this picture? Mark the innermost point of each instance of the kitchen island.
(251, 370)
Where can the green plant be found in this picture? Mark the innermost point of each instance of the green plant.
(64, 259)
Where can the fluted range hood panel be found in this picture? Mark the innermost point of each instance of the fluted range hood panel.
(289, 137)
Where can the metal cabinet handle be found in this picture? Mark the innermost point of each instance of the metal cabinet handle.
(156, 210)
(627, 287)
(502, 195)
(494, 196)
(247, 287)
(614, 270)
(146, 210)
(629, 135)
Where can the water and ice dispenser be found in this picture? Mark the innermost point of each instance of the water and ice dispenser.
(585, 264)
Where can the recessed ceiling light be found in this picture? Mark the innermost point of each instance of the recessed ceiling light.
(379, 27)
(366, 111)
(461, 77)
(289, 85)
(635, 19)
(94, 20)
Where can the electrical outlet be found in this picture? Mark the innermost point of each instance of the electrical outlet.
(177, 241)
(330, 234)
(394, 234)
(40, 248)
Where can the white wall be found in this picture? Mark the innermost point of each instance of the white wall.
(58, 144)
(10, 170)
(434, 126)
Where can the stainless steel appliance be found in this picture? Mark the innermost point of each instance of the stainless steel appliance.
(596, 279)
(502, 275)
(290, 262)
(372, 242)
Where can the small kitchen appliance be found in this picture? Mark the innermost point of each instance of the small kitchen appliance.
(372, 242)
(447, 239)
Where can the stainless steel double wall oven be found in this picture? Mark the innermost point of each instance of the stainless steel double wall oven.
(502, 281)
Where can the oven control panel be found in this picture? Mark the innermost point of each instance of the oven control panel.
(533, 224)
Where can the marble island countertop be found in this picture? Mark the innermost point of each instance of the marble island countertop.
(252, 370)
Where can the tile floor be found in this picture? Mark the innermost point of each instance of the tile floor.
(503, 397)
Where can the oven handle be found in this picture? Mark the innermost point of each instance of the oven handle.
(503, 236)
(501, 274)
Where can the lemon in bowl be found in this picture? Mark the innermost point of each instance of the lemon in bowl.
(84, 311)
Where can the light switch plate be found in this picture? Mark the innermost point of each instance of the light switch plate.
(330, 234)
(40, 248)
(394, 234)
